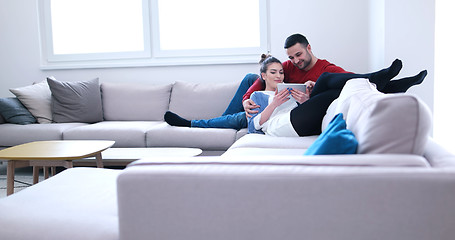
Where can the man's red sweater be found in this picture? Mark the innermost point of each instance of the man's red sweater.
(293, 74)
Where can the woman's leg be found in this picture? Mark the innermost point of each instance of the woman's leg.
(306, 119)
(337, 80)
(233, 121)
(234, 116)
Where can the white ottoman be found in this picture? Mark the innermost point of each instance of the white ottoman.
(78, 203)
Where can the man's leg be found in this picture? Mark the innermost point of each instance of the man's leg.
(402, 85)
(337, 80)
(236, 105)
(306, 119)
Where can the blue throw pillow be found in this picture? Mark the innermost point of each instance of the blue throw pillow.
(13, 111)
(335, 139)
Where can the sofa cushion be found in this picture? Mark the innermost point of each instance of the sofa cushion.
(76, 101)
(37, 99)
(124, 133)
(201, 100)
(135, 102)
(212, 139)
(13, 111)
(382, 123)
(19, 134)
(254, 140)
(335, 139)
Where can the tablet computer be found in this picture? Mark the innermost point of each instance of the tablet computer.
(298, 86)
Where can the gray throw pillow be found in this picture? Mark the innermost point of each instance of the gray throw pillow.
(76, 101)
(13, 111)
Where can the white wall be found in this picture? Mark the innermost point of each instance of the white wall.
(409, 35)
(344, 32)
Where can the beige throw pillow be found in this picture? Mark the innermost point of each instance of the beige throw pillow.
(201, 100)
(37, 99)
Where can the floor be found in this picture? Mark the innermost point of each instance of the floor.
(23, 178)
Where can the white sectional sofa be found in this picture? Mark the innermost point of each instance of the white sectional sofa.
(400, 185)
(132, 116)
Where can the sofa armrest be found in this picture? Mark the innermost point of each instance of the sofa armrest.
(229, 201)
(291, 157)
(438, 156)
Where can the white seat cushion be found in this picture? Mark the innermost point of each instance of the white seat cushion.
(19, 134)
(124, 133)
(213, 139)
(253, 140)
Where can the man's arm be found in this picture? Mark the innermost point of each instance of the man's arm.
(253, 120)
(257, 86)
(248, 104)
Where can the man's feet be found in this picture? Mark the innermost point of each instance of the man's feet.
(402, 85)
(382, 77)
(175, 120)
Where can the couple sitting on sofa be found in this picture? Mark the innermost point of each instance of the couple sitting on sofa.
(280, 117)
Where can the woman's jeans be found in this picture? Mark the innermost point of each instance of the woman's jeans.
(234, 117)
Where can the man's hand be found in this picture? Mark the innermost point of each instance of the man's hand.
(249, 105)
(300, 96)
(309, 86)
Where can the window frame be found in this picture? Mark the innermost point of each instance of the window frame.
(152, 54)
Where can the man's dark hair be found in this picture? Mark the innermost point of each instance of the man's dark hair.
(294, 39)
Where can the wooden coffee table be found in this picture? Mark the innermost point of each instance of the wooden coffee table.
(50, 154)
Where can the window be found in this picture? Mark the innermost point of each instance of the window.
(444, 83)
(110, 33)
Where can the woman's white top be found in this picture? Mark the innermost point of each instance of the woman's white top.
(279, 123)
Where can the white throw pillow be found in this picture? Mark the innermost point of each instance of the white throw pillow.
(382, 123)
(201, 100)
(37, 99)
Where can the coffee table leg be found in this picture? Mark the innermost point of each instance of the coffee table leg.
(35, 174)
(99, 160)
(46, 172)
(10, 177)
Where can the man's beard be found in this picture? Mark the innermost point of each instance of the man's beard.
(306, 62)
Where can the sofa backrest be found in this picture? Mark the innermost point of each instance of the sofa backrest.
(135, 102)
(382, 123)
(201, 100)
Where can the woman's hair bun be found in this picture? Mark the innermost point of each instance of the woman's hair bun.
(264, 57)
